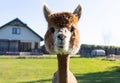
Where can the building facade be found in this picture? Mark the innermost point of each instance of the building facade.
(16, 36)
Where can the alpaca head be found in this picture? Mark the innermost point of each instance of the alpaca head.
(62, 36)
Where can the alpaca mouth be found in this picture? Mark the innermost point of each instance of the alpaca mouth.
(61, 46)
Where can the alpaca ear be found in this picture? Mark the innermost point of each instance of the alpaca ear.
(78, 11)
(46, 11)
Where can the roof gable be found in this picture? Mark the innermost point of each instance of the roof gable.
(17, 22)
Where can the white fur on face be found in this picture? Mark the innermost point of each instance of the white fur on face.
(61, 39)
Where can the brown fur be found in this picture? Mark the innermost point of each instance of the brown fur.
(75, 38)
(57, 21)
(63, 71)
(49, 41)
(63, 19)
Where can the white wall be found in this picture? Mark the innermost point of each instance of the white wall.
(25, 36)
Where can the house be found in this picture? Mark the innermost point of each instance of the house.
(16, 36)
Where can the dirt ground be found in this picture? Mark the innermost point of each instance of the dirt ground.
(114, 56)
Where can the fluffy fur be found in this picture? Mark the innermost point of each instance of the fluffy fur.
(62, 19)
(62, 38)
(75, 41)
(49, 44)
(65, 21)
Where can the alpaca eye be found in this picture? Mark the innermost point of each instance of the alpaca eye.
(52, 29)
(72, 29)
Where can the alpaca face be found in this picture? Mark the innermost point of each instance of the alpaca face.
(62, 36)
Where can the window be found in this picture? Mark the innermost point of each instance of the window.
(25, 46)
(36, 45)
(16, 31)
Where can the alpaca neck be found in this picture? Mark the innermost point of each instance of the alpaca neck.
(63, 68)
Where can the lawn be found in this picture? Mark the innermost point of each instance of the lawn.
(40, 70)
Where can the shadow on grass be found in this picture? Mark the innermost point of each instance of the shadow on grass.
(38, 81)
(112, 76)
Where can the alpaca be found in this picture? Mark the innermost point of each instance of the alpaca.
(62, 38)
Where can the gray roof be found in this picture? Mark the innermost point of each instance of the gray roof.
(21, 24)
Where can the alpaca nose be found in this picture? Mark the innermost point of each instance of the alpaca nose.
(61, 36)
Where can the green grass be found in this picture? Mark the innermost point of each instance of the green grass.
(40, 70)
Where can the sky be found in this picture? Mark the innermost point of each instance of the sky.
(99, 23)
